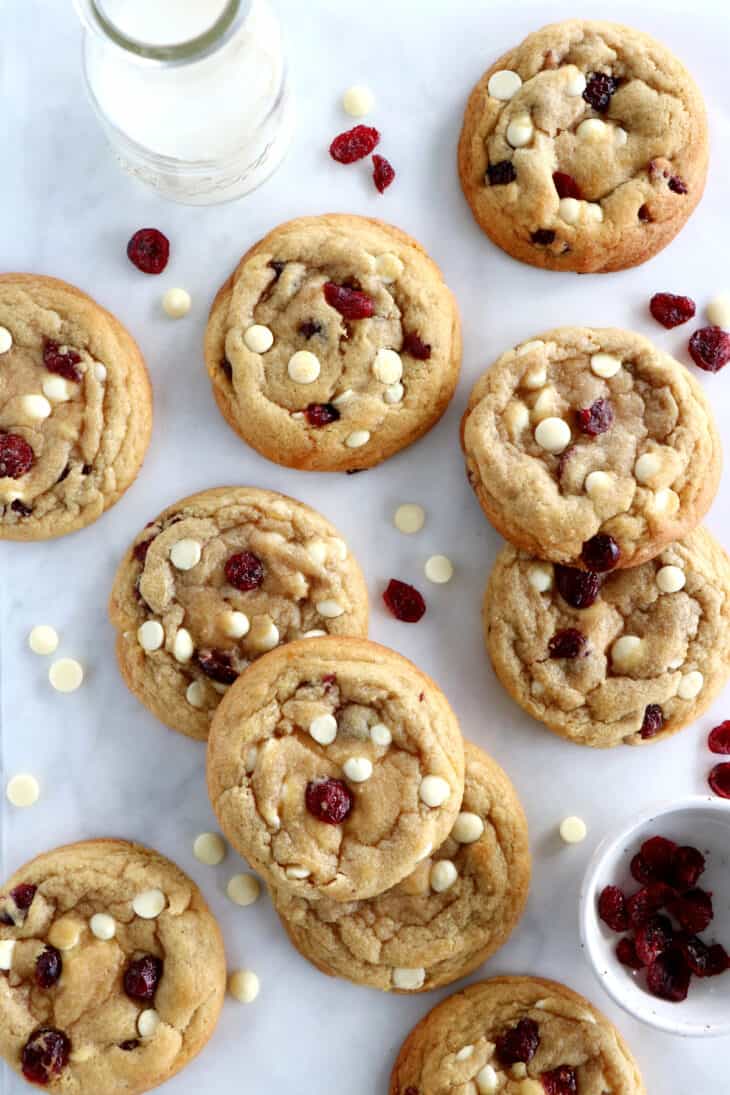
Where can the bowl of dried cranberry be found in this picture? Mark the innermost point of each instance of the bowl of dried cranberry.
(655, 916)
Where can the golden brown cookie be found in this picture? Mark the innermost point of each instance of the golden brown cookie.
(448, 917)
(114, 969)
(585, 148)
(334, 767)
(515, 1036)
(592, 447)
(334, 344)
(218, 579)
(632, 657)
(75, 408)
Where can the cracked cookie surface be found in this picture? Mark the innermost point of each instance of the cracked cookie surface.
(584, 148)
(215, 581)
(655, 646)
(334, 766)
(75, 408)
(469, 1043)
(334, 344)
(115, 970)
(590, 433)
(450, 915)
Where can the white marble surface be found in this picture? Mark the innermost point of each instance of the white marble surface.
(105, 766)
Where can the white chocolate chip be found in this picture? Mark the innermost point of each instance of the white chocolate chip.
(569, 209)
(520, 131)
(343, 397)
(358, 769)
(185, 554)
(439, 569)
(546, 404)
(647, 466)
(264, 634)
(235, 624)
(598, 484)
(244, 986)
(36, 407)
(64, 934)
(718, 311)
(540, 577)
(317, 551)
(605, 365)
(425, 853)
(394, 394)
(258, 339)
(388, 267)
(56, 389)
(380, 734)
(100, 372)
(251, 758)
(409, 979)
(532, 1087)
(434, 791)
(690, 685)
(409, 518)
(298, 873)
(594, 212)
(147, 1022)
(243, 889)
(323, 729)
(625, 652)
(504, 85)
(464, 1053)
(176, 303)
(486, 1081)
(573, 830)
(592, 129)
(387, 366)
(666, 501)
(553, 434)
(22, 790)
(330, 609)
(315, 633)
(303, 367)
(6, 342)
(358, 100)
(516, 417)
(66, 675)
(576, 81)
(340, 548)
(620, 136)
(675, 663)
(443, 876)
(150, 635)
(195, 694)
(209, 848)
(357, 439)
(7, 946)
(149, 904)
(467, 828)
(43, 639)
(103, 926)
(183, 646)
(535, 377)
(519, 1070)
(670, 579)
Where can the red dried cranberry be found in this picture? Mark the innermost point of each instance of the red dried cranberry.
(321, 414)
(596, 419)
(642, 905)
(20, 508)
(645, 214)
(669, 976)
(599, 90)
(130, 1044)
(653, 938)
(140, 550)
(653, 721)
(563, 461)
(626, 954)
(719, 739)
(705, 961)
(14, 907)
(499, 174)
(671, 310)
(411, 1091)
(23, 895)
(640, 870)
(383, 173)
(687, 867)
(519, 1043)
(415, 346)
(63, 363)
(354, 144)
(568, 643)
(350, 303)
(244, 570)
(693, 910)
(404, 601)
(710, 348)
(612, 909)
(309, 329)
(217, 665)
(543, 237)
(45, 1055)
(679, 186)
(328, 800)
(149, 250)
(579, 588)
(719, 779)
(658, 854)
(142, 976)
(560, 1081)
(48, 967)
(601, 552)
(566, 186)
(16, 456)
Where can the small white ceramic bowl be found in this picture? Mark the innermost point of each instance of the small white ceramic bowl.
(699, 820)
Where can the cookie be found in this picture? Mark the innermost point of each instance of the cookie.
(334, 767)
(632, 657)
(115, 970)
(591, 447)
(518, 1036)
(334, 344)
(218, 579)
(75, 408)
(585, 148)
(451, 914)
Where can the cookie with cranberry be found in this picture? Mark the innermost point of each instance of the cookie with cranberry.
(334, 344)
(448, 917)
(591, 447)
(113, 969)
(335, 766)
(218, 579)
(75, 408)
(584, 148)
(630, 657)
(518, 1036)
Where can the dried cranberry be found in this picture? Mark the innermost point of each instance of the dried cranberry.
(642, 905)
(404, 601)
(658, 854)
(626, 954)
(227, 369)
(596, 419)
(140, 550)
(719, 779)
(244, 570)
(61, 362)
(679, 186)
(218, 665)
(579, 588)
(45, 1055)
(277, 265)
(414, 346)
(693, 910)
(16, 456)
(543, 237)
(383, 173)
(566, 186)
(20, 508)
(328, 800)
(710, 348)
(601, 552)
(687, 867)
(350, 303)
(653, 938)
(599, 90)
(719, 739)
(411, 1091)
(671, 310)
(321, 414)
(149, 250)
(519, 1043)
(354, 144)
(48, 967)
(669, 976)
(23, 895)
(130, 1044)
(310, 328)
(14, 907)
(568, 643)
(612, 908)
(705, 961)
(499, 174)
(645, 214)
(142, 976)
(640, 870)
(653, 721)
(560, 1081)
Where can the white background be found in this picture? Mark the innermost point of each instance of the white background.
(105, 766)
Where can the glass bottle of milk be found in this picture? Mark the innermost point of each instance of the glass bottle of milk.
(192, 93)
